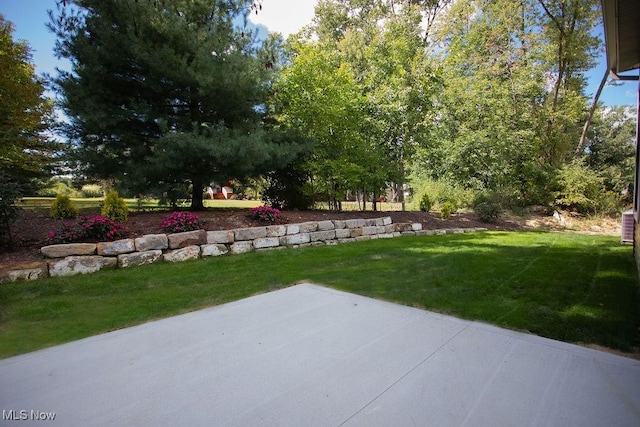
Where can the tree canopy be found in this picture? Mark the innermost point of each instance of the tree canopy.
(487, 95)
(165, 94)
(26, 151)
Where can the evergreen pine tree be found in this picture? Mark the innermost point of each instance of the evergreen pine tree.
(165, 93)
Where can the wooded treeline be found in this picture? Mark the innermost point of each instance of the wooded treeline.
(457, 99)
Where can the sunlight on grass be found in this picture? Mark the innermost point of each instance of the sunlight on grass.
(585, 311)
(569, 287)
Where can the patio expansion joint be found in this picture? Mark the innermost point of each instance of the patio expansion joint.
(406, 374)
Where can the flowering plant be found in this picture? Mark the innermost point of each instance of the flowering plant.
(87, 227)
(177, 222)
(100, 227)
(70, 232)
(265, 213)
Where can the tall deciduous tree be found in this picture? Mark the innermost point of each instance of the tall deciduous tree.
(26, 152)
(165, 93)
(514, 104)
(318, 96)
(25, 112)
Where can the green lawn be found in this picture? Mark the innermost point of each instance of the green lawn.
(570, 287)
(94, 204)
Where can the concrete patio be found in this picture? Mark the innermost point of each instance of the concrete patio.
(309, 355)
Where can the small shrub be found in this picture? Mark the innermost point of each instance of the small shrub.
(487, 211)
(178, 222)
(447, 209)
(265, 213)
(426, 203)
(63, 208)
(115, 207)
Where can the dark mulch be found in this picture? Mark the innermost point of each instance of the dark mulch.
(30, 231)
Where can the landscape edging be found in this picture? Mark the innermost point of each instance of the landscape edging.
(138, 251)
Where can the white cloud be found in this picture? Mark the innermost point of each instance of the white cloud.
(284, 16)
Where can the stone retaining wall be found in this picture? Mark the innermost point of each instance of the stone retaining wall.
(82, 258)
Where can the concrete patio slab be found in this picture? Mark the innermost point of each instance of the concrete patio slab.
(313, 356)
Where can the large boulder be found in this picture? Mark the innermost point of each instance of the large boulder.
(187, 238)
(266, 242)
(116, 248)
(253, 233)
(295, 239)
(80, 265)
(241, 247)
(220, 237)
(69, 249)
(183, 254)
(355, 223)
(322, 235)
(151, 242)
(308, 227)
(326, 225)
(24, 271)
(139, 258)
(214, 249)
(276, 230)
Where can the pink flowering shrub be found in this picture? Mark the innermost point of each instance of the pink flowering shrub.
(180, 221)
(265, 213)
(101, 228)
(94, 227)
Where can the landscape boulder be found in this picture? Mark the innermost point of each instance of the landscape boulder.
(187, 238)
(72, 265)
(220, 237)
(250, 233)
(24, 271)
(214, 249)
(183, 254)
(116, 248)
(151, 242)
(69, 249)
(139, 258)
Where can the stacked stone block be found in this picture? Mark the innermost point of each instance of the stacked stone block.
(82, 258)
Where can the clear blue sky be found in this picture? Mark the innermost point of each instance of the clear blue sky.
(30, 17)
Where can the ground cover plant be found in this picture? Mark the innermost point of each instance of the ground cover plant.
(571, 287)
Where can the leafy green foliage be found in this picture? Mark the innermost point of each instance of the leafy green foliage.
(115, 207)
(26, 152)
(63, 208)
(581, 189)
(513, 103)
(610, 148)
(287, 188)
(487, 211)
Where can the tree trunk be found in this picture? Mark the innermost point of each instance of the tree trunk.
(580, 146)
(197, 203)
